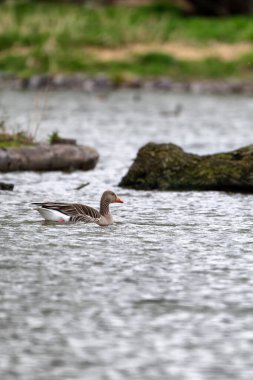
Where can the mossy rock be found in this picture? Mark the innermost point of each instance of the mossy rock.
(168, 167)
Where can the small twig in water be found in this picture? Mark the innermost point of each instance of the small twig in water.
(82, 185)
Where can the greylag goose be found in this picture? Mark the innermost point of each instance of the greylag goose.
(75, 212)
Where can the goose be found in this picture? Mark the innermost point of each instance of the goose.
(76, 212)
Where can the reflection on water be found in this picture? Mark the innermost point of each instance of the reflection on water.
(166, 291)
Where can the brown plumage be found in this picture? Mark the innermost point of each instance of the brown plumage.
(74, 212)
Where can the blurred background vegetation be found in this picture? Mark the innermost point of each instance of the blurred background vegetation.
(182, 39)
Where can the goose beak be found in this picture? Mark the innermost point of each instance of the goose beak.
(118, 200)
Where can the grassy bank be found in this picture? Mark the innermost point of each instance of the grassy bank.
(44, 37)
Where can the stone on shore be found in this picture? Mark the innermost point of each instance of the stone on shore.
(66, 157)
(98, 83)
(6, 186)
(168, 167)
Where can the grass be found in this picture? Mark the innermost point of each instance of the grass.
(15, 140)
(12, 136)
(158, 64)
(47, 37)
(54, 138)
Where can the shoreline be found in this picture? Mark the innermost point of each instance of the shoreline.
(87, 83)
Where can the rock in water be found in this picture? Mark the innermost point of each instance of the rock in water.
(48, 157)
(168, 167)
(6, 186)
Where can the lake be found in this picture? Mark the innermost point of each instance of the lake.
(163, 293)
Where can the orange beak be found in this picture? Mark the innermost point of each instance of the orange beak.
(118, 200)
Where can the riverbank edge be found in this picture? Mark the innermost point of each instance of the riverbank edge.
(86, 83)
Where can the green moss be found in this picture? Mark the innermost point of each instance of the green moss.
(168, 167)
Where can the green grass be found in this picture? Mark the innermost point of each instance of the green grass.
(144, 65)
(154, 64)
(45, 37)
(13, 144)
(28, 23)
(15, 140)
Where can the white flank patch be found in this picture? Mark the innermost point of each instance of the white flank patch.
(53, 215)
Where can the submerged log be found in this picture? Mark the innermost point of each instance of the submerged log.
(48, 157)
(168, 167)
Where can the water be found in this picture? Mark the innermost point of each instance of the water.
(166, 291)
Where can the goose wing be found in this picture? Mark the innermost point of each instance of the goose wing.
(83, 218)
(72, 209)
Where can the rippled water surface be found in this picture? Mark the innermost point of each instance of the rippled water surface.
(163, 293)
